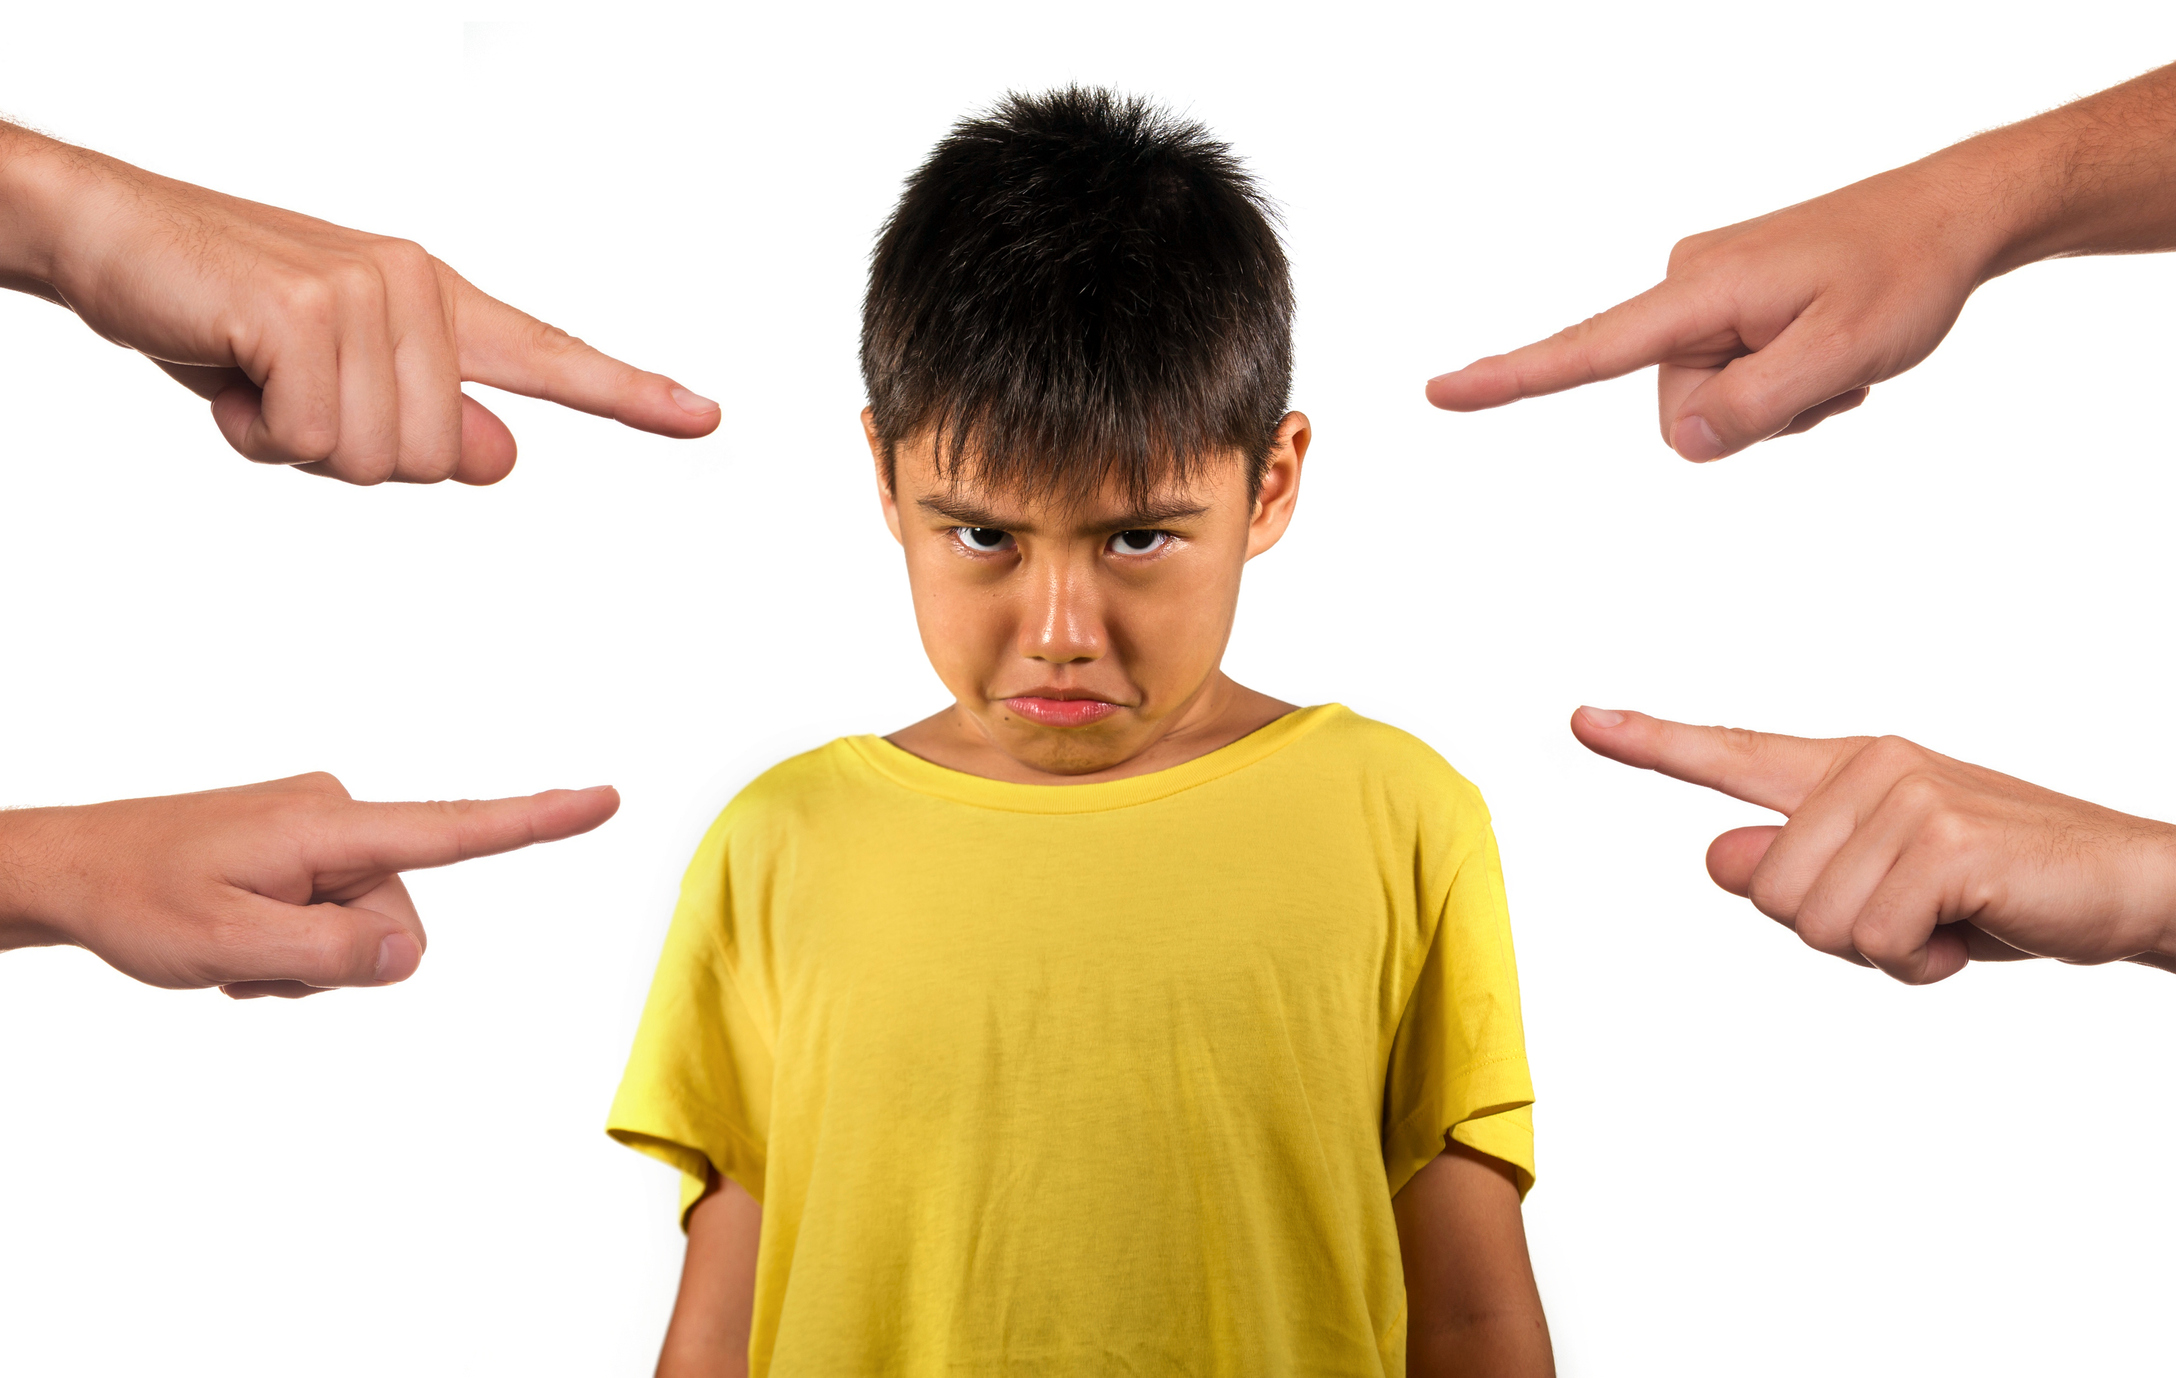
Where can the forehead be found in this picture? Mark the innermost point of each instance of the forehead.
(1031, 497)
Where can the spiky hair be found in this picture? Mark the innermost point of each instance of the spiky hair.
(1079, 290)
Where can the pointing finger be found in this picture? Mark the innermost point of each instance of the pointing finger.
(1764, 768)
(384, 838)
(505, 348)
(1631, 335)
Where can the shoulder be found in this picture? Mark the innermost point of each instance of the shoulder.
(1397, 762)
(783, 798)
(799, 785)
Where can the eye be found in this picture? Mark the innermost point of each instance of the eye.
(1139, 542)
(983, 540)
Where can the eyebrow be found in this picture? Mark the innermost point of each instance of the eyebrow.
(1144, 517)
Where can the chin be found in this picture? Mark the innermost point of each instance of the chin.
(1078, 751)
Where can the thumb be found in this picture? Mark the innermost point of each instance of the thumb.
(1764, 768)
(1796, 375)
(291, 949)
(505, 348)
(1732, 857)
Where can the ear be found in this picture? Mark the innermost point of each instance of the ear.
(883, 473)
(1280, 490)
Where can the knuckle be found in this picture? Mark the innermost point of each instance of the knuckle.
(358, 277)
(1894, 753)
(323, 782)
(307, 299)
(1948, 831)
(550, 339)
(406, 258)
(1774, 895)
(1920, 794)
(1743, 743)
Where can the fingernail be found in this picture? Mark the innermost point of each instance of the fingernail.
(398, 958)
(1696, 440)
(690, 401)
(1602, 717)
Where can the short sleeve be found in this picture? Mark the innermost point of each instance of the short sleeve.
(697, 1089)
(1458, 1062)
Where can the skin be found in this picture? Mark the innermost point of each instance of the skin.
(1773, 325)
(1034, 613)
(335, 351)
(1900, 858)
(340, 353)
(283, 888)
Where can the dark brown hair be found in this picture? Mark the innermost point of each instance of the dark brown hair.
(1078, 290)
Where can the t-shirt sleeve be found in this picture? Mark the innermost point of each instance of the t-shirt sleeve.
(1458, 1062)
(697, 1089)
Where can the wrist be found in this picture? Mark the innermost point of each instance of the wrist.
(25, 920)
(2155, 943)
(1999, 211)
(39, 177)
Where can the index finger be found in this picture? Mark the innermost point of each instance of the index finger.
(502, 347)
(1764, 768)
(387, 838)
(1630, 335)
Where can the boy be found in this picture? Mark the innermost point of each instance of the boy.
(1118, 1019)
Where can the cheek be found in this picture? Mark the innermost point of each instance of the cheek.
(964, 624)
(1172, 630)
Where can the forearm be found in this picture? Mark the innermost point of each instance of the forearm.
(2097, 176)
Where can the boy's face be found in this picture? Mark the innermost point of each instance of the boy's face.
(1075, 637)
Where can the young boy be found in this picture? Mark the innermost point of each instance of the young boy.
(1117, 1019)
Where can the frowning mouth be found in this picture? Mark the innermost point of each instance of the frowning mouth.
(1059, 708)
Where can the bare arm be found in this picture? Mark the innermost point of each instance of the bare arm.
(1471, 1304)
(319, 346)
(1770, 326)
(708, 1336)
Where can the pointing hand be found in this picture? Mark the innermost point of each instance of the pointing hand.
(1771, 326)
(1900, 858)
(338, 352)
(284, 888)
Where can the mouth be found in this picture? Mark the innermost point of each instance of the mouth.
(1059, 708)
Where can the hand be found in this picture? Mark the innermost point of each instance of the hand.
(338, 352)
(284, 888)
(1771, 326)
(1903, 859)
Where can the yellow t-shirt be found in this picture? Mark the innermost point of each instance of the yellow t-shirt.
(1088, 1079)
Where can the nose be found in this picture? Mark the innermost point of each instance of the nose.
(1063, 619)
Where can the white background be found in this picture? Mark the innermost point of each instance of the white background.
(1754, 1159)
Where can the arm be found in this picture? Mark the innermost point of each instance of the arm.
(708, 1336)
(1471, 1304)
(323, 347)
(284, 888)
(1900, 858)
(1770, 326)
